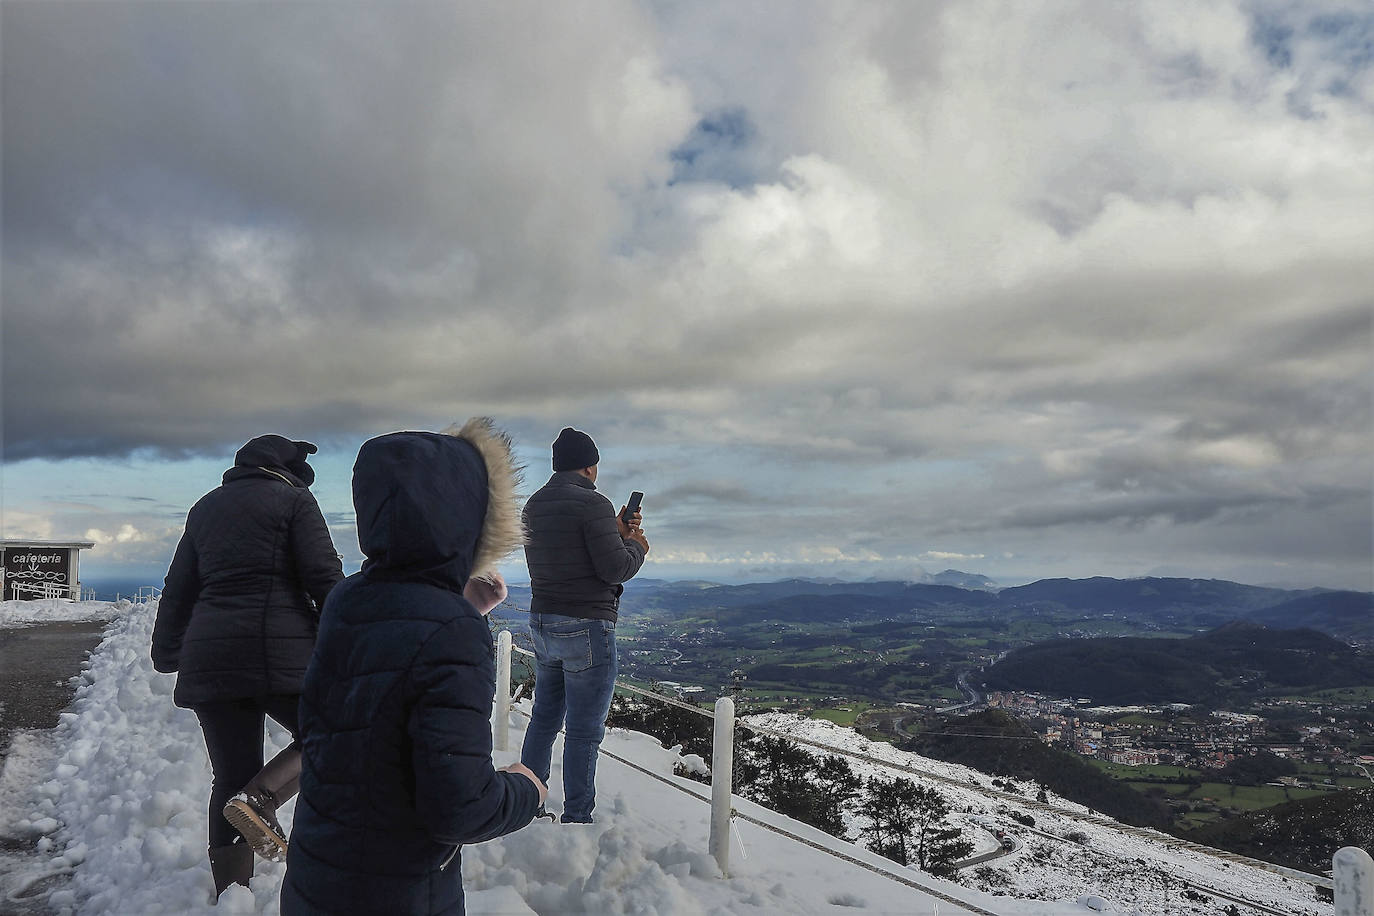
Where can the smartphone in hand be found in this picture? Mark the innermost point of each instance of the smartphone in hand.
(632, 507)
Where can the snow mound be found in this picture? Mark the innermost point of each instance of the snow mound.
(58, 610)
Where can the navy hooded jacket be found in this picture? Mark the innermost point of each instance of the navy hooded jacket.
(395, 718)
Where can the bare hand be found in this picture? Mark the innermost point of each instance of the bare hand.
(526, 771)
(485, 594)
(626, 527)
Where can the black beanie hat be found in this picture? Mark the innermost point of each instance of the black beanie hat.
(298, 466)
(574, 450)
(273, 451)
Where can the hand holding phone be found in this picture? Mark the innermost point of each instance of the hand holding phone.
(627, 514)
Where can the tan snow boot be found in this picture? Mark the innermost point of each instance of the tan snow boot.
(253, 811)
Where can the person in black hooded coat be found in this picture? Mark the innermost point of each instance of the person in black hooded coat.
(237, 622)
(395, 719)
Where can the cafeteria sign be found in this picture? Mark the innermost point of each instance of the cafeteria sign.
(28, 569)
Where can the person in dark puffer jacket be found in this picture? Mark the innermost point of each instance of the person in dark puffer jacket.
(579, 553)
(237, 622)
(395, 719)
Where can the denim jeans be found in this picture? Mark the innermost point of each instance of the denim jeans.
(574, 678)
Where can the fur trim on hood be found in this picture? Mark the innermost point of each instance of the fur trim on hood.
(503, 532)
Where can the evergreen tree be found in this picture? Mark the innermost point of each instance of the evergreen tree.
(888, 806)
(907, 825)
(793, 781)
(837, 786)
(938, 845)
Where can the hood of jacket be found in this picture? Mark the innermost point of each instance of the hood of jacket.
(437, 508)
(274, 454)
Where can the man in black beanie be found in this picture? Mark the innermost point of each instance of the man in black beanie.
(574, 450)
(579, 551)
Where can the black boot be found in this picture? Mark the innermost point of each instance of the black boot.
(253, 811)
(230, 865)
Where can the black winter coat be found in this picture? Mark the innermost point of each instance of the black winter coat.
(575, 554)
(395, 719)
(240, 602)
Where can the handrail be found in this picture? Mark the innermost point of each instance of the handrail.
(46, 590)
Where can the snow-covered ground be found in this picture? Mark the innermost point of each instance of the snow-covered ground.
(1136, 874)
(57, 610)
(122, 805)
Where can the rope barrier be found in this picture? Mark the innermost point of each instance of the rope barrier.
(866, 758)
(878, 761)
(665, 699)
(900, 879)
(1108, 857)
(634, 766)
(688, 790)
(621, 685)
(1096, 820)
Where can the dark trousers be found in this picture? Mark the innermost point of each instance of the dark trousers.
(233, 736)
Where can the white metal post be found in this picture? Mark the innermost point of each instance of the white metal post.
(500, 736)
(1352, 878)
(722, 775)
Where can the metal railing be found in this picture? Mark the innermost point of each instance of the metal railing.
(42, 590)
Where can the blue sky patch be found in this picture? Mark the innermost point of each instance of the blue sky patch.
(1276, 38)
(718, 149)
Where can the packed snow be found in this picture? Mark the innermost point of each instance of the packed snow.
(120, 804)
(58, 610)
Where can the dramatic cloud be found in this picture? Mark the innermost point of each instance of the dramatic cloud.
(1036, 288)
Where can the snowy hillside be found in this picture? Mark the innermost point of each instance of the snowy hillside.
(1133, 871)
(123, 809)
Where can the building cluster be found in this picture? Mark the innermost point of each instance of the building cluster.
(1173, 735)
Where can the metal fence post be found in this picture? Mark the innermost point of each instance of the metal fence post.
(1352, 878)
(722, 776)
(500, 735)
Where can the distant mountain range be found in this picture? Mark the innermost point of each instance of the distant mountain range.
(1153, 603)
(1346, 615)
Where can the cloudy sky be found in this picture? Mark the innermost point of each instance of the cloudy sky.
(851, 289)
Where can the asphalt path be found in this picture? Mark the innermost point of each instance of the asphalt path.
(37, 667)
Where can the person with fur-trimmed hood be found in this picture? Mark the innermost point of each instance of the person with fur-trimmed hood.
(395, 719)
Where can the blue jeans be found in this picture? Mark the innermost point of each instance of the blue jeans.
(574, 679)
